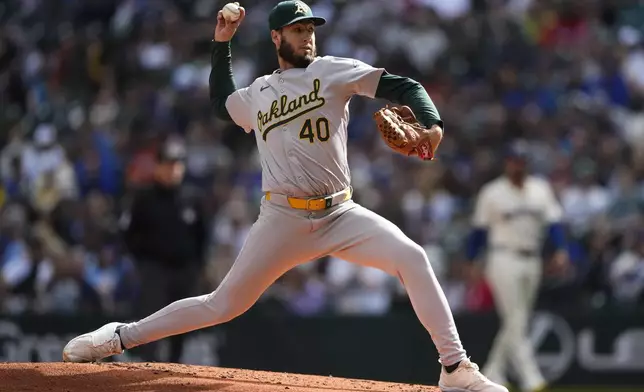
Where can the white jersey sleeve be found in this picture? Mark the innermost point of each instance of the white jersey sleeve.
(553, 210)
(483, 209)
(353, 76)
(238, 105)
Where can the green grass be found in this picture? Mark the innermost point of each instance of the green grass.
(591, 389)
(595, 389)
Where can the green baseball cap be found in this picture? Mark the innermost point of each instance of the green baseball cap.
(292, 11)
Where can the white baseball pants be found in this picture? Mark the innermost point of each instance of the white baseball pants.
(514, 281)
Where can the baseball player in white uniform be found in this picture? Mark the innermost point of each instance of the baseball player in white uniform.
(510, 217)
(299, 115)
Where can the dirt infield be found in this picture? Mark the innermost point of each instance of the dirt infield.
(151, 377)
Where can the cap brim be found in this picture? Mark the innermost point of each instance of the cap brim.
(317, 20)
(167, 156)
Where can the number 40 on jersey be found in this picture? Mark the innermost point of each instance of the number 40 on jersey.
(318, 130)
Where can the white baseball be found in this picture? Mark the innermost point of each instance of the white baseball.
(231, 12)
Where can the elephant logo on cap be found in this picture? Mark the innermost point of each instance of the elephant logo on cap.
(301, 8)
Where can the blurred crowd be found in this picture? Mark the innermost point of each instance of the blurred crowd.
(89, 88)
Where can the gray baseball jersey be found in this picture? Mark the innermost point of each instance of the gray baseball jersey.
(300, 119)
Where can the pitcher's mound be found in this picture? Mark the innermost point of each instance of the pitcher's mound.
(162, 377)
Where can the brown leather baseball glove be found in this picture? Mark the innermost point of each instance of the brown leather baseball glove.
(403, 133)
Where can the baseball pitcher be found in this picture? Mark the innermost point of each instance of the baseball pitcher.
(510, 216)
(299, 116)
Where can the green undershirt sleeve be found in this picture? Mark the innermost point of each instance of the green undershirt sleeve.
(221, 82)
(405, 91)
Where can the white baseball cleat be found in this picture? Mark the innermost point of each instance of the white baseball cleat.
(90, 347)
(467, 378)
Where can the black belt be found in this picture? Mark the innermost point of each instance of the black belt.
(520, 252)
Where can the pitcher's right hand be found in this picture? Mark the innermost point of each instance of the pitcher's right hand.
(225, 30)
